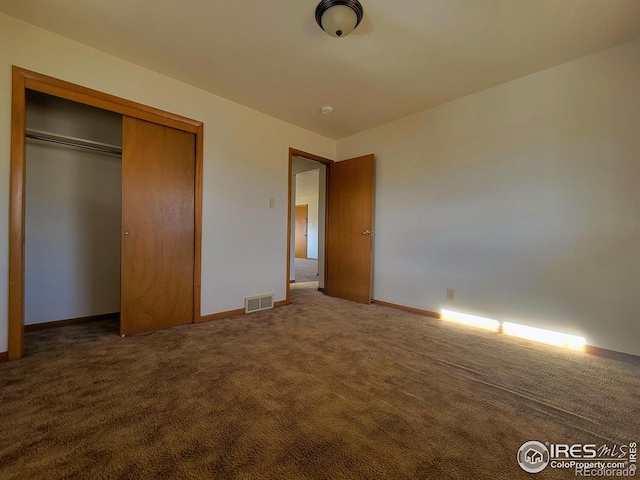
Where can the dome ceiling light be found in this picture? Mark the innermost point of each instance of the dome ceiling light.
(339, 17)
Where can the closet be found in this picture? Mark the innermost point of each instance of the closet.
(72, 210)
(105, 210)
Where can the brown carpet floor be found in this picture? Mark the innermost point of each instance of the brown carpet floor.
(306, 270)
(319, 389)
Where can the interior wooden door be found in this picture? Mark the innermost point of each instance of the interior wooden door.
(350, 229)
(302, 218)
(158, 225)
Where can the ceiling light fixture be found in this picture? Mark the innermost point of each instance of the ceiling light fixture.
(339, 17)
(326, 110)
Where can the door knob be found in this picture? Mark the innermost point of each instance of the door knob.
(126, 233)
(367, 232)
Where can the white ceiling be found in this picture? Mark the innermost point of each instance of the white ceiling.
(307, 183)
(406, 56)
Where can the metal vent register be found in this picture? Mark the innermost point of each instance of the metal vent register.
(260, 302)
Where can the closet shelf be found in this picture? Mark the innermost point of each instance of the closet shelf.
(73, 142)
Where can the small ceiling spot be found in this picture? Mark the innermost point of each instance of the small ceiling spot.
(326, 110)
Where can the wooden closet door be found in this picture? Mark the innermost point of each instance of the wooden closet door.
(158, 176)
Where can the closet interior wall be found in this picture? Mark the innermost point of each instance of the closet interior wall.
(73, 212)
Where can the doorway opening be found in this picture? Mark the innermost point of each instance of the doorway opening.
(309, 201)
(345, 245)
(307, 220)
(73, 190)
(310, 206)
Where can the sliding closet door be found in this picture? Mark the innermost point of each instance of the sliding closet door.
(158, 172)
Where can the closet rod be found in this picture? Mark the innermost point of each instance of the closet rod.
(73, 142)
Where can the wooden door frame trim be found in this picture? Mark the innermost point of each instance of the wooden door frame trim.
(309, 156)
(22, 80)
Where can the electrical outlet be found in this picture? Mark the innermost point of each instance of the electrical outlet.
(451, 294)
(272, 203)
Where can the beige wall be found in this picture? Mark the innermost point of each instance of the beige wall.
(525, 198)
(245, 163)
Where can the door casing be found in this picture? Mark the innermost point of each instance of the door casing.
(22, 80)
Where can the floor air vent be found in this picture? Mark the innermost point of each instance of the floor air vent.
(255, 304)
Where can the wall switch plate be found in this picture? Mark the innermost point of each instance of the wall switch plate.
(451, 294)
(272, 203)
